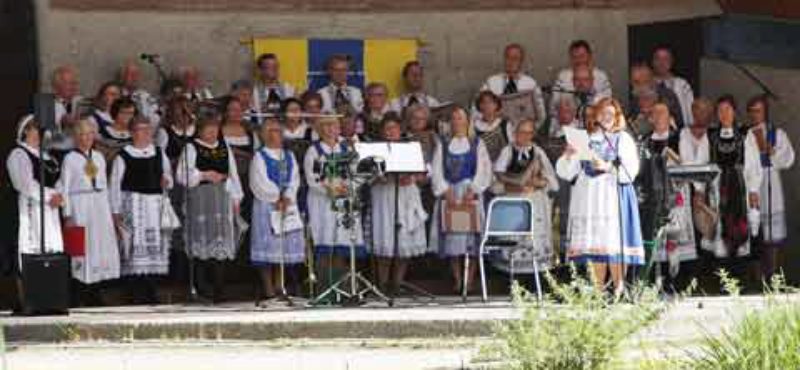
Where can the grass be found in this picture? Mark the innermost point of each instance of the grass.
(766, 339)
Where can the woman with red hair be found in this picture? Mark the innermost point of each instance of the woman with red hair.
(604, 229)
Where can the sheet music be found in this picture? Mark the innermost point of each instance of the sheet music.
(579, 140)
(399, 157)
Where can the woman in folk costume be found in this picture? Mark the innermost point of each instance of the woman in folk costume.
(208, 169)
(331, 239)
(297, 137)
(462, 171)
(368, 122)
(108, 93)
(736, 188)
(112, 138)
(85, 185)
(411, 216)
(177, 128)
(242, 142)
(523, 169)
(419, 129)
(494, 130)
(603, 195)
(661, 199)
(140, 175)
(312, 107)
(24, 164)
(776, 154)
(275, 180)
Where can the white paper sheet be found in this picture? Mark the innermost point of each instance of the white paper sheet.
(399, 157)
(579, 140)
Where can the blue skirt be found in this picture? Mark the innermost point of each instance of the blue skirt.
(265, 246)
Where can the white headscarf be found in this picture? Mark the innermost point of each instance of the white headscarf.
(22, 125)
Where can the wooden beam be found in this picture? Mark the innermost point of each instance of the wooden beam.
(298, 6)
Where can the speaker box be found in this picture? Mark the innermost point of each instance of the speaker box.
(45, 282)
(44, 111)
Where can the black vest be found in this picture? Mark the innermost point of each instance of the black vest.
(142, 175)
(518, 166)
(52, 171)
(175, 143)
(212, 159)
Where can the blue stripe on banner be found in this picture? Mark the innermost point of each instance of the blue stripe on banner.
(320, 50)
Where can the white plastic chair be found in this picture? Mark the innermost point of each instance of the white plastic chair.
(508, 217)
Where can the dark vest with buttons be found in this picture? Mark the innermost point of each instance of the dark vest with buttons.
(212, 159)
(142, 175)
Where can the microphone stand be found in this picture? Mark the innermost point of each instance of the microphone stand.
(617, 163)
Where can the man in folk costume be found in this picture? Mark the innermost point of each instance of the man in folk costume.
(662, 200)
(140, 175)
(375, 108)
(694, 149)
(415, 94)
(275, 180)
(269, 91)
(85, 185)
(67, 108)
(494, 130)
(523, 169)
(194, 88)
(409, 213)
(513, 80)
(583, 93)
(581, 55)
(130, 75)
(776, 154)
(640, 123)
(461, 173)
(338, 96)
(24, 164)
(604, 225)
(208, 169)
(663, 63)
(641, 78)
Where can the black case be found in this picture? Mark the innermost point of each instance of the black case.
(45, 278)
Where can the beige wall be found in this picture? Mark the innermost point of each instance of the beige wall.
(461, 48)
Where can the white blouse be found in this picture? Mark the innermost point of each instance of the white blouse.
(118, 172)
(188, 175)
(74, 179)
(20, 172)
(461, 145)
(265, 189)
(549, 174)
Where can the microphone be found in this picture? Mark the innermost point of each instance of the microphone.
(150, 58)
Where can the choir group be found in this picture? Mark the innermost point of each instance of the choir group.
(186, 172)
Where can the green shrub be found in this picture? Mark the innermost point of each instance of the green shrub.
(764, 339)
(576, 327)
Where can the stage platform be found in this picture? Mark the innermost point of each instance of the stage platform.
(442, 334)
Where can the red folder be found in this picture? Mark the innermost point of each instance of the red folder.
(75, 241)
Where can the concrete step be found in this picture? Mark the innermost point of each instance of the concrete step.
(445, 317)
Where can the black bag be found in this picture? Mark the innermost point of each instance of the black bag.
(45, 281)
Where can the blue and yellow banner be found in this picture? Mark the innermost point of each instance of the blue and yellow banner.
(371, 60)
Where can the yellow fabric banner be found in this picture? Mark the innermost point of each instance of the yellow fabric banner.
(293, 57)
(384, 60)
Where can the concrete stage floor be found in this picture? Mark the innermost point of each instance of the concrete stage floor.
(443, 334)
